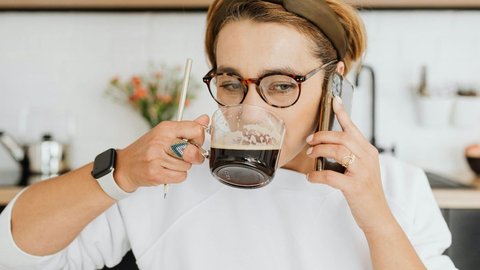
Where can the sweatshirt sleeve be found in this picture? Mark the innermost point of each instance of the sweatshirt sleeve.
(101, 243)
(411, 200)
(430, 234)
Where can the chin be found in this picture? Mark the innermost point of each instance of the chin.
(282, 161)
(286, 155)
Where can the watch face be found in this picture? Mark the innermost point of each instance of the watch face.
(104, 163)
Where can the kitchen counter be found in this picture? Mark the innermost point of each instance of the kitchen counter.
(446, 198)
(458, 198)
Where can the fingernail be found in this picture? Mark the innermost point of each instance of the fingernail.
(309, 150)
(310, 138)
(306, 176)
(339, 100)
(200, 116)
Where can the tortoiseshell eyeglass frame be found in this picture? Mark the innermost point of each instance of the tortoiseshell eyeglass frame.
(245, 82)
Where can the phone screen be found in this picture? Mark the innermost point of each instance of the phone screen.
(337, 86)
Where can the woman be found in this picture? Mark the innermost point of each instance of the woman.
(380, 214)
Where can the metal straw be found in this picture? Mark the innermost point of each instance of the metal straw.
(181, 103)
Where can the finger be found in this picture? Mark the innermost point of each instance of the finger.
(176, 148)
(186, 150)
(345, 120)
(172, 176)
(193, 155)
(203, 120)
(336, 137)
(338, 152)
(330, 178)
(160, 175)
(189, 130)
(176, 164)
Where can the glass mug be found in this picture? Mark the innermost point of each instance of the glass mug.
(245, 145)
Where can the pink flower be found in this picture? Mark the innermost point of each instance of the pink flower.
(139, 93)
(165, 98)
(136, 81)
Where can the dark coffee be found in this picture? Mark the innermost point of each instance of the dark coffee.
(249, 168)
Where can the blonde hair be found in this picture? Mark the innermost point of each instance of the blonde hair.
(262, 11)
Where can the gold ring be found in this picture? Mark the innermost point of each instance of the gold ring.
(351, 159)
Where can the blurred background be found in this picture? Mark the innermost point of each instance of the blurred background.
(58, 58)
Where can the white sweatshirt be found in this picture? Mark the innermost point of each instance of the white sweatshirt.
(203, 224)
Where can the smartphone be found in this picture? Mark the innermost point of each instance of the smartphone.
(337, 86)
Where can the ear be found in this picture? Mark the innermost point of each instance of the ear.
(341, 68)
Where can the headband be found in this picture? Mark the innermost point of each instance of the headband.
(321, 15)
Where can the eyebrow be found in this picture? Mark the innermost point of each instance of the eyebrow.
(282, 70)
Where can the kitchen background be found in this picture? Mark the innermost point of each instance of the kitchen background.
(55, 67)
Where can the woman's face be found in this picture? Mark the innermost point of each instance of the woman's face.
(252, 48)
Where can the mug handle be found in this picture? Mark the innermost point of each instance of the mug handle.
(205, 153)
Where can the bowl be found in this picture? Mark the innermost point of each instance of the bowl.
(474, 164)
(472, 153)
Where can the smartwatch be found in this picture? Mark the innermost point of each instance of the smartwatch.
(103, 168)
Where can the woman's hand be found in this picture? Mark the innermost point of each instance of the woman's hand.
(146, 162)
(361, 184)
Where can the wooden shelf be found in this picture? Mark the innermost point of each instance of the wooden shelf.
(103, 4)
(203, 4)
(415, 3)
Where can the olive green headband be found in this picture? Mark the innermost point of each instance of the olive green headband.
(321, 15)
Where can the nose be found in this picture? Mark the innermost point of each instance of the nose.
(253, 97)
(253, 117)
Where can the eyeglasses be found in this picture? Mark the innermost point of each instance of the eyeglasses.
(277, 90)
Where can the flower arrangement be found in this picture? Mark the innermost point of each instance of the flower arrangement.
(154, 95)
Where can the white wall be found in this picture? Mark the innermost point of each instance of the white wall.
(63, 62)
(399, 44)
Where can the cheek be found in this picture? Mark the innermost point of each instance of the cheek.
(300, 121)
